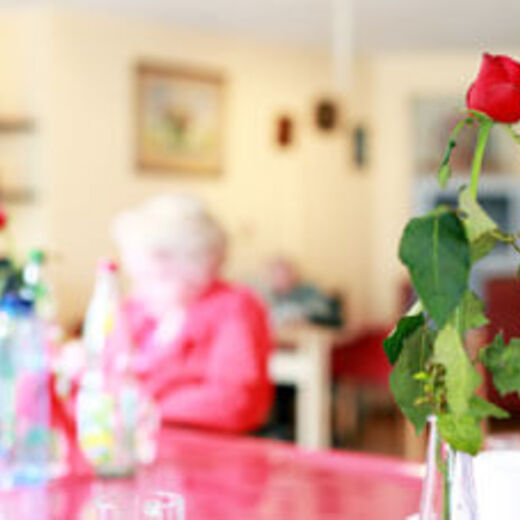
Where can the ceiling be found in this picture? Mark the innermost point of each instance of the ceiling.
(379, 24)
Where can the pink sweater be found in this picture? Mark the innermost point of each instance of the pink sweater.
(214, 375)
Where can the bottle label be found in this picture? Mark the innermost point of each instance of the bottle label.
(96, 415)
(7, 415)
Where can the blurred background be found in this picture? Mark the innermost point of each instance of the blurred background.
(312, 129)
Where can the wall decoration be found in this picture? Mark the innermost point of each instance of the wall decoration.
(433, 119)
(19, 179)
(284, 131)
(179, 120)
(326, 115)
(359, 136)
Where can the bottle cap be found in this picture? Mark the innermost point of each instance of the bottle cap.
(108, 265)
(37, 256)
(13, 303)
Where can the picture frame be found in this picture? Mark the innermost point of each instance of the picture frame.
(179, 120)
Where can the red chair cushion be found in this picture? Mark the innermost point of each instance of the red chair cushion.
(503, 310)
(363, 359)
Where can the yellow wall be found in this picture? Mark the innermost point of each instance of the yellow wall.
(341, 225)
(303, 201)
(24, 70)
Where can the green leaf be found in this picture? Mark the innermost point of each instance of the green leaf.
(482, 246)
(476, 221)
(479, 226)
(416, 352)
(394, 343)
(461, 377)
(481, 409)
(469, 315)
(436, 251)
(503, 361)
(462, 433)
(444, 175)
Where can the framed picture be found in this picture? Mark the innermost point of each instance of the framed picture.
(433, 119)
(179, 120)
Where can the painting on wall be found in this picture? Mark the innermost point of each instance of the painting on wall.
(179, 120)
(433, 119)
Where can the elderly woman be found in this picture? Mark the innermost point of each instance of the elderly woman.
(202, 343)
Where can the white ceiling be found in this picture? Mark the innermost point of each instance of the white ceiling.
(380, 24)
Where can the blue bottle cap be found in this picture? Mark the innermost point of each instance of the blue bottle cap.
(13, 303)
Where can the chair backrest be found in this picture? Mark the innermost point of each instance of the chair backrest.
(502, 297)
(362, 359)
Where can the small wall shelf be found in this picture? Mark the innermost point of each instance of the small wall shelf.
(15, 124)
(19, 165)
(17, 195)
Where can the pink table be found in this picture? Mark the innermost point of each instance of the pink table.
(228, 478)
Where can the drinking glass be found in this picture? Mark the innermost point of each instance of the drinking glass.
(161, 505)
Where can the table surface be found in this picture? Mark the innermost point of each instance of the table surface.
(293, 335)
(230, 478)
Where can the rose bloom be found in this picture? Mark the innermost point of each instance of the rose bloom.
(496, 91)
(3, 219)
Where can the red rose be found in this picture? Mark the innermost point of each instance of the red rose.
(3, 219)
(496, 91)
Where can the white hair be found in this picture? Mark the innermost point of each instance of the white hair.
(176, 224)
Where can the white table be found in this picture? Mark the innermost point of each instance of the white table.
(302, 359)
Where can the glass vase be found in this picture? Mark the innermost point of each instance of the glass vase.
(449, 487)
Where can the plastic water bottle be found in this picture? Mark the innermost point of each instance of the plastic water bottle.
(7, 399)
(104, 317)
(109, 399)
(24, 387)
(37, 288)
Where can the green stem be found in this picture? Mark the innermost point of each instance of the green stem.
(444, 172)
(459, 324)
(446, 514)
(483, 135)
(507, 238)
(453, 139)
(442, 456)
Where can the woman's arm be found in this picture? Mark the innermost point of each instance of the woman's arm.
(235, 395)
(228, 407)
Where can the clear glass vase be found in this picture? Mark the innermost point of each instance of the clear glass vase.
(449, 488)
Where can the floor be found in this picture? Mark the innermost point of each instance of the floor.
(379, 425)
(382, 433)
(378, 430)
